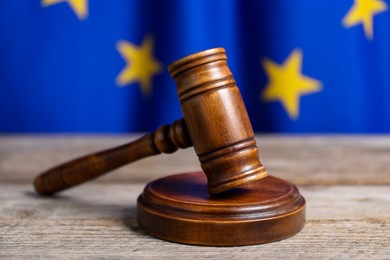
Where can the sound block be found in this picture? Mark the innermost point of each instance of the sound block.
(178, 208)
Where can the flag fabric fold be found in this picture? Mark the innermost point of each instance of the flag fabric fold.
(100, 66)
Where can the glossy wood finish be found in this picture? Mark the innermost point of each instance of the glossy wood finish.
(217, 120)
(218, 127)
(178, 208)
(167, 139)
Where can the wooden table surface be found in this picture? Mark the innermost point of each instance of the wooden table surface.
(345, 180)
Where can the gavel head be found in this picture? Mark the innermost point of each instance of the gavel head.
(217, 120)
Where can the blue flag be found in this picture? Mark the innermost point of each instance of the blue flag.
(100, 66)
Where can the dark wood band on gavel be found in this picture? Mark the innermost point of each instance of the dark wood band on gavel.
(167, 139)
(217, 120)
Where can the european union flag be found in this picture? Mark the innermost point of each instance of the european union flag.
(100, 66)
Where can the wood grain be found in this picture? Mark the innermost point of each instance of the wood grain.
(217, 120)
(98, 222)
(178, 208)
(215, 123)
(166, 139)
(344, 179)
(303, 160)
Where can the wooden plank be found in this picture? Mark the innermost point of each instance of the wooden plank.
(23, 157)
(98, 221)
(304, 160)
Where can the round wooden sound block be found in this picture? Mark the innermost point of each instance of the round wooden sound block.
(178, 208)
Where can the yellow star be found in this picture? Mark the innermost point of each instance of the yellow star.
(141, 65)
(80, 7)
(287, 83)
(363, 12)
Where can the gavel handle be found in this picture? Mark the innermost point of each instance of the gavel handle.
(167, 139)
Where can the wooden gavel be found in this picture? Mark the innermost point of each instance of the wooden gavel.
(215, 123)
(177, 207)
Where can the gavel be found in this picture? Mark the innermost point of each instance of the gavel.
(215, 123)
(184, 207)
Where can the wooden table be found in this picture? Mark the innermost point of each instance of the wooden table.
(345, 180)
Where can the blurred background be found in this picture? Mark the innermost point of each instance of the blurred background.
(99, 66)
